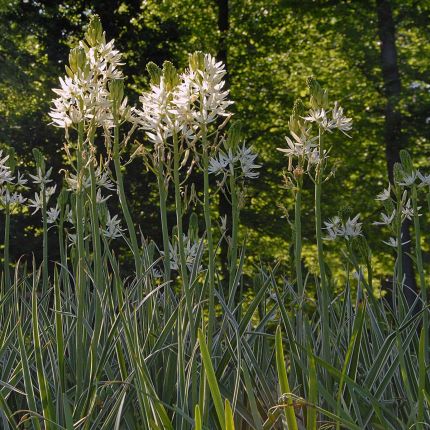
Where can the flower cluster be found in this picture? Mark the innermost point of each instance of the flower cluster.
(183, 103)
(191, 248)
(337, 228)
(243, 159)
(10, 197)
(84, 92)
(304, 142)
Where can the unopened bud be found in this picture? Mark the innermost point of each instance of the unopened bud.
(77, 59)
(154, 73)
(116, 90)
(318, 96)
(171, 76)
(94, 34)
(196, 61)
(234, 136)
(406, 160)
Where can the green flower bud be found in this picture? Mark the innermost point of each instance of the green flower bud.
(94, 34)
(77, 59)
(63, 198)
(154, 73)
(40, 161)
(171, 76)
(193, 227)
(196, 61)
(234, 136)
(116, 90)
(407, 164)
(296, 120)
(398, 172)
(11, 161)
(318, 96)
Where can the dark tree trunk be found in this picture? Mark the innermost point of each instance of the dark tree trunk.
(222, 55)
(393, 136)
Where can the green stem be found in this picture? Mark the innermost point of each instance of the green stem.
(98, 271)
(7, 279)
(163, 214)
(298, 238)
(234, 234)
(45, 240)
(211, 251)
(122, 198)
(419, 257)
(80, 271)
(179, 215)
(325, 294)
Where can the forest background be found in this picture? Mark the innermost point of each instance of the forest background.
(372, 55)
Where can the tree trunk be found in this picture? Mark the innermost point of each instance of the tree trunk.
(393, 136)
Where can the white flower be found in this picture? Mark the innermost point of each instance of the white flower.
(408, 211)
(190, 249)
(408, 180)
(340, 121)
(386, 219)
(227, 161)
(5, 171)
(299, 146)
(52, 214)
(12, 199)
(317, 115)
(20, 179)
(425, 179)
(336, 228)
(392, 241)
(200, 98)
(384, 195)
(113, 227)
(41, 179)
(85, 94)
(36, 203)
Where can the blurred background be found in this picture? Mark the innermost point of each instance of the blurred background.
(372, 55)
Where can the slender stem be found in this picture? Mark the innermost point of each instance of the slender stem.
(298, 237)
(98, 269)
(398, 282)
(7, 279)
(211, 251)
(234, 234)
(419, 257)
(45, 240)
(80, 271)
(183, 262)
(325, 294)
(163, 214)
(122, 198)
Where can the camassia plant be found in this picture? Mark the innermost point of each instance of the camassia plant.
(175, 343)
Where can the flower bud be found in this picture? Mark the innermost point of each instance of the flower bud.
(295, 123)
(154, 73)
(38, 156)
(171, 76)
(406, 161)
(234, 136)
(77, 59)
(318, 96)
(94, 34)
(398, 173)
(116, 90)
(196, 61)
